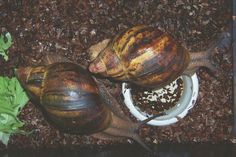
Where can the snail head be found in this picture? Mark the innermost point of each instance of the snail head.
(31, 79)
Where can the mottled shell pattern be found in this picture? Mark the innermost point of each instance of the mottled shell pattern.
(143, 55)
(69, 96)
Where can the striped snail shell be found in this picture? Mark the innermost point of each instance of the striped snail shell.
(76, 103)
(68, 95)
(142, 55)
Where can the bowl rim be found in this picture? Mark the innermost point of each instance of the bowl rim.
(186, 102)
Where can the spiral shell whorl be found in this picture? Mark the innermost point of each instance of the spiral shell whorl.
(71, 100)
(145, 56)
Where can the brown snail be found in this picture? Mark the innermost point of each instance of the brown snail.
(72, 101)
(146, 56)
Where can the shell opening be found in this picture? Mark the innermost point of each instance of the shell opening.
(97, 67)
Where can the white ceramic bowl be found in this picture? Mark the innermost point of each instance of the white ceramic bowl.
(185, 103)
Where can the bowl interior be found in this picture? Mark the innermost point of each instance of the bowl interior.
(186, 102)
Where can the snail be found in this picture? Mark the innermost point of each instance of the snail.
(73, 101)
(146, 56)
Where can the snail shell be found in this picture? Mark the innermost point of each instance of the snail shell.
(142, 55)
(75, 103)
(68, 95)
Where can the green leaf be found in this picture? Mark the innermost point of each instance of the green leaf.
(5, 43)
(4, 138)
(12, 100)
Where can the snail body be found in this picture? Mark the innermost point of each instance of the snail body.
(145, 56)
(74, 103)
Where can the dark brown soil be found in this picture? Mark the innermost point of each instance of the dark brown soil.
(70, 27)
